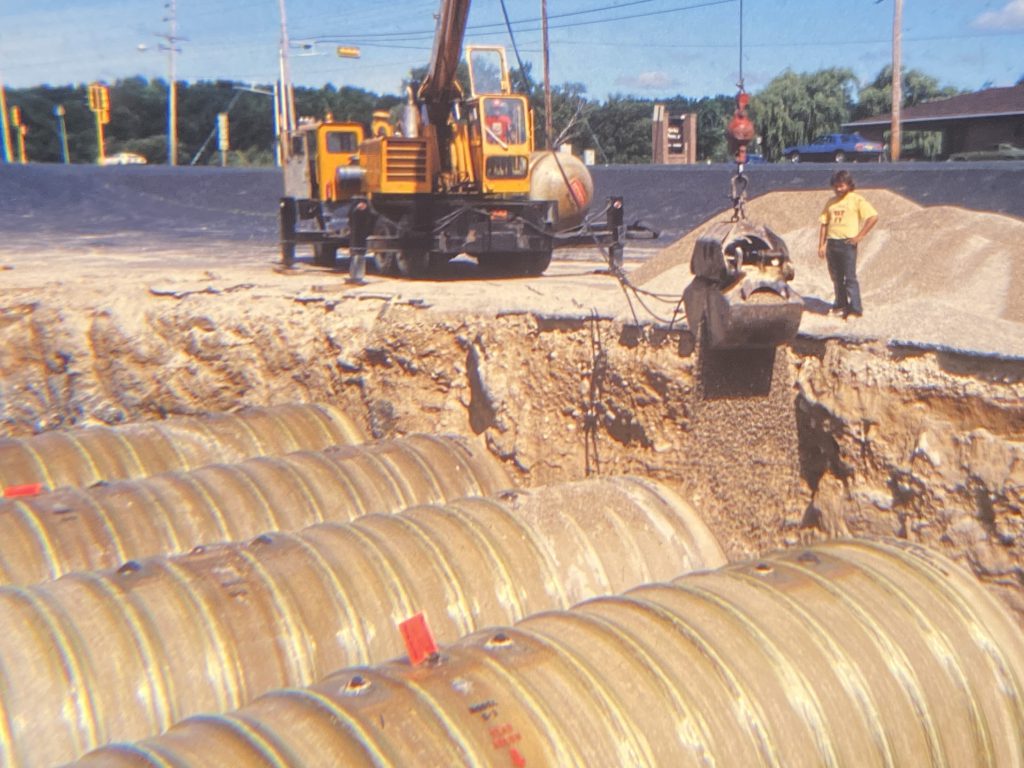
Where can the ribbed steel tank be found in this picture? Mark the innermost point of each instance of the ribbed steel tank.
(846, 654)
(82, 457)
(102, 527)
(96, 657)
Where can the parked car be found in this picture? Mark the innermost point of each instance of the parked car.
(124, 158)
(995, 152)
(836, 147)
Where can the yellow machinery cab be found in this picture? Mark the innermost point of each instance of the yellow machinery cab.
(500, 124)
(337, 151)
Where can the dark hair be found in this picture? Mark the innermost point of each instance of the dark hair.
(842, 176)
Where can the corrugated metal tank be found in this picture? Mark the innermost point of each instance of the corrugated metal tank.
(82, 457)
(846, 654)
(96, 657)
(102, 527)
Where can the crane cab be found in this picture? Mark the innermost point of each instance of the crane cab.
(499, 128)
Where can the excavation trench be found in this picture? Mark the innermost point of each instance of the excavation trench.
(827, 438)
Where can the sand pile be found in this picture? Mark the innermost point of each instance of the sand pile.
(942, 275)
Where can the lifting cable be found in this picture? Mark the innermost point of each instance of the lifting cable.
(739, 133)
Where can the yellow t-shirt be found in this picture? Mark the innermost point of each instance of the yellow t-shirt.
(844, 215)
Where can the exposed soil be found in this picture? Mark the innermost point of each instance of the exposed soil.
(909, 423)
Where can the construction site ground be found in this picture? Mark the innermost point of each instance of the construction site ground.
(132, 294)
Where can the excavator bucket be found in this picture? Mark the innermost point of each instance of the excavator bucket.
(740, 295)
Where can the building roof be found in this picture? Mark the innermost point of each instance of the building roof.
(992, 102)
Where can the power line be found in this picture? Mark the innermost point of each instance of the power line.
(529, 22)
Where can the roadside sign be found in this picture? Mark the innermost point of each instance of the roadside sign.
(223, 138)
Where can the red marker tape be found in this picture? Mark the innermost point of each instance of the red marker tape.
(31, 489)
(419, 640)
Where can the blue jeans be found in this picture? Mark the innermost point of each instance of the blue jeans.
(841, 256)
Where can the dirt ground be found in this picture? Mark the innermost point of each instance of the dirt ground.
(907, 422)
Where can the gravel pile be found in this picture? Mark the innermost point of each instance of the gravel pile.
(937, 276)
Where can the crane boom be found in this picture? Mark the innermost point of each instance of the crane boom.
(437, 86)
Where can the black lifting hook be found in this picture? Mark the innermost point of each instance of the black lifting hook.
(738, 195)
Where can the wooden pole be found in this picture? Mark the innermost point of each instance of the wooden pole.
(101, 151)
(895, 137)
(22, 154)
(548, 119)
(172, 87)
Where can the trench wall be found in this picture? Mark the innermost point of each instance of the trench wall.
(821, 440)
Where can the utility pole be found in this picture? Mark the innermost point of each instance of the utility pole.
(172, 89)
(62, 132)
(8, 153)
(548, 120)
(897, 79)
(286, 95)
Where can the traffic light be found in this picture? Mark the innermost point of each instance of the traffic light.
(99, 102)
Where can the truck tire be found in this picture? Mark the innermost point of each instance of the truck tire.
(386, 260)
(412, 263)
(325, 255)
(535, 263)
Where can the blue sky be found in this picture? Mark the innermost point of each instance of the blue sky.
(648, 48)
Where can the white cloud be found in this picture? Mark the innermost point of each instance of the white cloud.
(648, 81)
(1010, 16)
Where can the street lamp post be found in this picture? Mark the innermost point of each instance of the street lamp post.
(62, 132)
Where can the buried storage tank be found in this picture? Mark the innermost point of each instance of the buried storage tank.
(848, 653)
(101, 527)
(96, 657)
(88, 455)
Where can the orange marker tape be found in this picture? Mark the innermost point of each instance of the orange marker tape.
(30, 489)
(419, 640)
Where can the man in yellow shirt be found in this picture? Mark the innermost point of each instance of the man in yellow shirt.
(846, 219)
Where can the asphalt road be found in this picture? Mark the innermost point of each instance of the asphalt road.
(159, 207)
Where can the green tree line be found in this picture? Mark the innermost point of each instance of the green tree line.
(791, 109)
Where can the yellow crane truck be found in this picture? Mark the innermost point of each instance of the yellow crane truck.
(458, 174)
